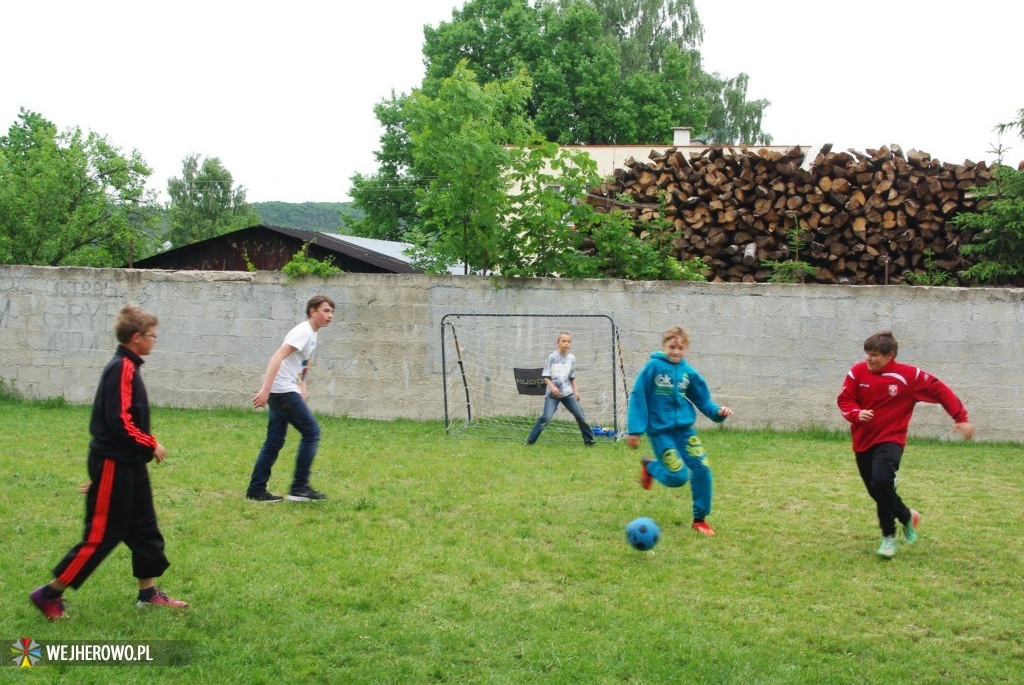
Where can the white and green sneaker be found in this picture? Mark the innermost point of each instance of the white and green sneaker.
(888, 548)
(910, 527)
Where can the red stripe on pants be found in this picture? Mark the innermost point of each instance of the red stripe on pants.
(97, 524)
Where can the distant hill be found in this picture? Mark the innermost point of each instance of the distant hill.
(312, 216)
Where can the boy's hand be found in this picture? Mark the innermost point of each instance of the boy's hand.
(632, 441)
(84, 487)
(865, 415)
(965, 429)
(724, 411)
(160, 453)
(260, 400)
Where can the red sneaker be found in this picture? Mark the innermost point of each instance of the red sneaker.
(161, 599)
(645, 478)
(52, 609)
(704, 528)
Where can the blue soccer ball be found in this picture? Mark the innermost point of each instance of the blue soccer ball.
(642, 533)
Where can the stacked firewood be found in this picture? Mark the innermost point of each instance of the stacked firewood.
(857, 218)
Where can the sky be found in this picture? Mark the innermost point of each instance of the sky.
(283, 93)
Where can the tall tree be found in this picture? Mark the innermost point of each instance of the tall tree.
(460, 136)
(496, 38)
(603, 71)
(70, 198)
(387, 198)
(577, 97)
(732, 118)
(501, 200)
(996, 230)
(204, 202)
(645, 29)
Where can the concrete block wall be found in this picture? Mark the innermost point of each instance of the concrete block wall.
(776, 354)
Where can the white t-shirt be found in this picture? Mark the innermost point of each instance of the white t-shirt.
(561, 369)
(293, 368)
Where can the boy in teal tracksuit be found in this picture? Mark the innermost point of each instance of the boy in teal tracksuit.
(663, 404)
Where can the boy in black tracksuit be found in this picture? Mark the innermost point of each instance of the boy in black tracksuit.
(119, 501)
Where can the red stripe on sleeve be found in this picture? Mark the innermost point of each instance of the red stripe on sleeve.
(127, 376)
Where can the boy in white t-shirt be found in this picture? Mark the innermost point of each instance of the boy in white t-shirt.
(284, 394)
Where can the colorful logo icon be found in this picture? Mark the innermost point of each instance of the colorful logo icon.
(28, 652)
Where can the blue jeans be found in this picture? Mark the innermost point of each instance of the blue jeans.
(680, 457)
(286, 408)
(550, 405)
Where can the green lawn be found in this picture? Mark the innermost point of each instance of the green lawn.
(461, 560)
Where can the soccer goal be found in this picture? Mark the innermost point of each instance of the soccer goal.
(492, 374)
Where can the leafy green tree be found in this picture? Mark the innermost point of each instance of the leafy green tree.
(460, 137)
(387, 198)
(603, 71)
(497, 39)
(541, 237)
(658, 102)
(732, 118)
(512, 208)
(586, 56)
(577, 96)
(646, 29)
(204, 202)
(70, 198)
(552, 233)
(997, 229)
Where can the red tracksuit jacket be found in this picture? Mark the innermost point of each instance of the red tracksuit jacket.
(891, 394)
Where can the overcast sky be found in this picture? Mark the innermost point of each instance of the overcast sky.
(283, 93)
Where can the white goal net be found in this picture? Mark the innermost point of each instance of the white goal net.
(492, 374)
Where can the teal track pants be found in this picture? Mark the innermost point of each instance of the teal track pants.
(679, 457)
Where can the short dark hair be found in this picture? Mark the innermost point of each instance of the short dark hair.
(882, 342)
(315, 302)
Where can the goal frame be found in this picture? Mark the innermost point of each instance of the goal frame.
(454, 398)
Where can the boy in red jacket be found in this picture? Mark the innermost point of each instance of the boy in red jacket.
(118, 500)
(878, 399)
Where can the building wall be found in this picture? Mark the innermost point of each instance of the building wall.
(775, 353)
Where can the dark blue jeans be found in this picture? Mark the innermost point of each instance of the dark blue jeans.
(286, 408)
(550, 405)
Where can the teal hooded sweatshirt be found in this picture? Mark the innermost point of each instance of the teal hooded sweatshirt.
(666, 397)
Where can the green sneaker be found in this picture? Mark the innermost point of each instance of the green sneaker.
(888, 548)
(910, 527)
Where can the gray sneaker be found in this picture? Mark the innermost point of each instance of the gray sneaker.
(888, 548)
(305, 494)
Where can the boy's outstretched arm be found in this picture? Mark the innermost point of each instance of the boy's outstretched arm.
(964, 428)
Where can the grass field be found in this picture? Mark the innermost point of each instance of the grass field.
(446, 560)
